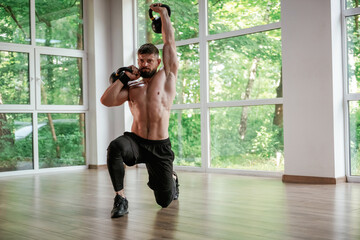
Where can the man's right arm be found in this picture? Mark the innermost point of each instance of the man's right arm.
(115, 95)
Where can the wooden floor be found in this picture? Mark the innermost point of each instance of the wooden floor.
(77, 205)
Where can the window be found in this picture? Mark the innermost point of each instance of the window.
(228, 109)
(43, 100)
(351, 13)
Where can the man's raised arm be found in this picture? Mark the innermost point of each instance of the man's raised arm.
(170, 60)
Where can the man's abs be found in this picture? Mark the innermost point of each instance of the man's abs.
(151, 128)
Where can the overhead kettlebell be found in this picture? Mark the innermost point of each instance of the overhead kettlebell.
(156, 22)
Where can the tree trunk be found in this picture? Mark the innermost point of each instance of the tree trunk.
(79, 65)
(278, 115)
(244, 114)
(51, 124)
(10, 11)
(50, 75)
(5, 132)
(148, 23)
(180, 139)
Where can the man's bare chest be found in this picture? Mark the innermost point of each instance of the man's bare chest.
(146, 95)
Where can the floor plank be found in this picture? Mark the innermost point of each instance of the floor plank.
(77, 204)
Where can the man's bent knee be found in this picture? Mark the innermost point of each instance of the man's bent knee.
(164, 198)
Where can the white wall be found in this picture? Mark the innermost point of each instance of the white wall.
(103, 126)
(313, 92)
(106, 52)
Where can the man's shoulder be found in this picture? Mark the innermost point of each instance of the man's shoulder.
(160, 73)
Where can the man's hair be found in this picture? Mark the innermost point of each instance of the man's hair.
(148, 48)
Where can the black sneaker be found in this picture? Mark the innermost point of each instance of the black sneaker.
(120, 207)
(176, 196)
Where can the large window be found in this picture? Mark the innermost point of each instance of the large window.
(351, 18)
(43, 101)
(228, 109)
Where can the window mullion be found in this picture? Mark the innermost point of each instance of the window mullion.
(32, 23)
(204, 86)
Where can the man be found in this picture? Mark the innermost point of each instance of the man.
(150, 100)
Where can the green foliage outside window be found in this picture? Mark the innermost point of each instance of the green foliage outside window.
(259, 148)
(14, 78)
(15, 21)
(184, 133)
(59, 23)
(352, 3)
(245, 67)
(62, 142)
(16, 152)
(354, 124)
(61, 80)
(229, 15)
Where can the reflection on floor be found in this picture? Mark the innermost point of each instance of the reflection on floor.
(77, 204)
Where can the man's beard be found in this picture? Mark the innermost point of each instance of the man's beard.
(147, 74)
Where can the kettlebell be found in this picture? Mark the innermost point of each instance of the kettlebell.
(156, 22)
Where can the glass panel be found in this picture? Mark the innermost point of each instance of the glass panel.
(188, 81)
(184, 17)
(59, 23)
(353, 53)
(14, 78)
(15, 21)
(184, 133)
(229, 15)
(248, 138)
(246, 67)
(16, 141)
(61, 139)
(354, 129)
(352, 3)
(61, 80)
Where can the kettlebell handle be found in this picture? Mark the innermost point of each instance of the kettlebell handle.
(162, 5)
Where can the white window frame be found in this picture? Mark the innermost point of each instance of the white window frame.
(347, 96)
(35, 106)
(205, 105)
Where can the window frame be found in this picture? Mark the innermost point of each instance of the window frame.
(348, 97)
(205, 105)
(35, 106)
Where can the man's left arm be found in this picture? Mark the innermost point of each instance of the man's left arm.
(170, 60)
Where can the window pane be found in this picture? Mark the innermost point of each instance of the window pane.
(184, 17)
(59, 23)
(229, 15)
(184, 133)
(61, 80)
(246, 67)
(61, 139)
(16, 141)
(248, 138)
(354, 130)
(188, 81)
(353, 53)
(14, 78)
(15, 21)
(352, 3)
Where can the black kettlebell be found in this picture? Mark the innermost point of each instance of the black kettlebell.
(156, 22)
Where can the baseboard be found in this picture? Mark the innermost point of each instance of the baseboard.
(311, 180)
(104, 166)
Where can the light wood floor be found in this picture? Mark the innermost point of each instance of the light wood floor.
(77, 205)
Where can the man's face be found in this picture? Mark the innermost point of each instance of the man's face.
(148, 64)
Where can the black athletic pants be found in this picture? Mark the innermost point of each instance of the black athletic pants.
(156, 154)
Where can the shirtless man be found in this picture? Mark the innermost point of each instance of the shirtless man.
(150, 100)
